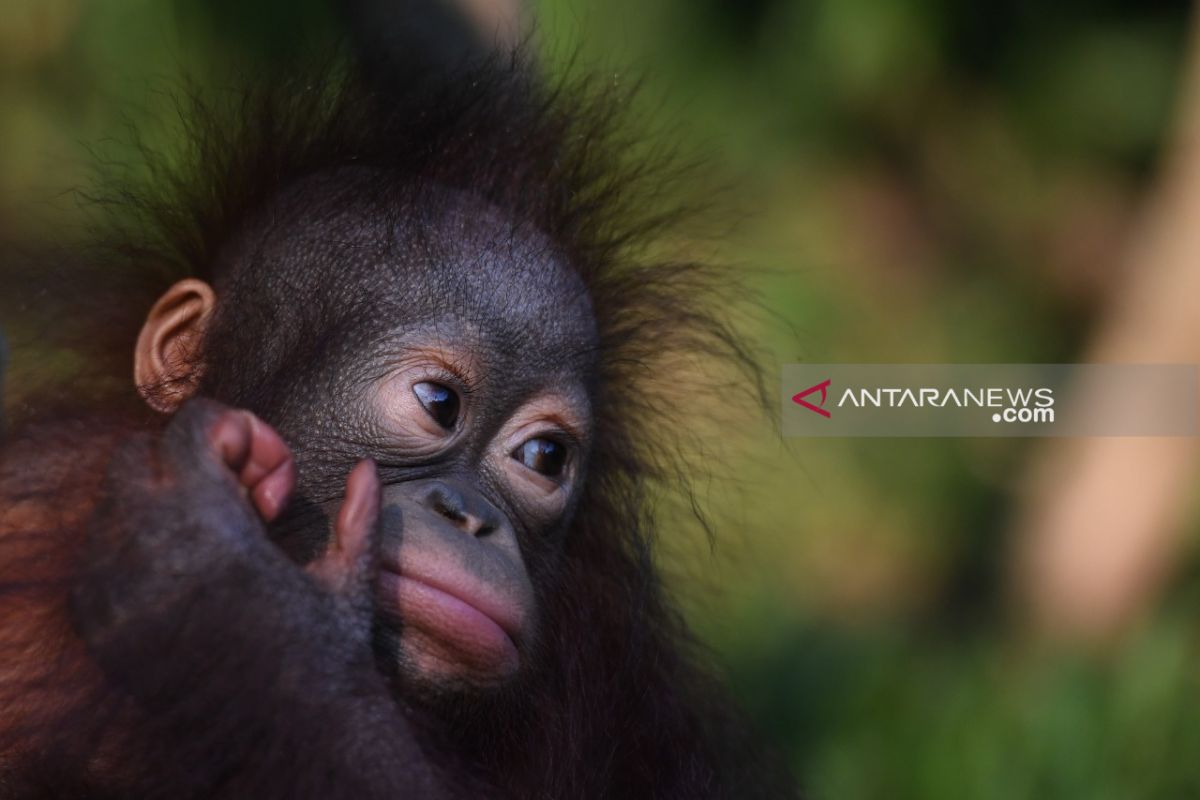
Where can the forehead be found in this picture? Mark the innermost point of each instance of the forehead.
(456, 266)
(506, 283)
(496, 299)
(400, 262)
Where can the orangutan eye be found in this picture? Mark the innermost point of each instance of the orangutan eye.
(544, 456)
(439, 401)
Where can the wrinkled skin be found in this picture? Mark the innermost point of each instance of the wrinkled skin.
(467, 526)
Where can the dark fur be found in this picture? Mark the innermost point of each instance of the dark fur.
(626, 709)
(3, 369)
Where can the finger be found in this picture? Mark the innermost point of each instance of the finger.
(229, 436)
(359, 512)
(270, 471)
(271, 493)
(260, 458)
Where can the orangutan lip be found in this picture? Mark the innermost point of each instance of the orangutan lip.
(493, 610)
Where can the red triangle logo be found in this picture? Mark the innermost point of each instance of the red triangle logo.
(821, 387)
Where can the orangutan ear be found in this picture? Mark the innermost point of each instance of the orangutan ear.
(166, 362)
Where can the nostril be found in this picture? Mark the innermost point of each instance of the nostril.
(468, 513)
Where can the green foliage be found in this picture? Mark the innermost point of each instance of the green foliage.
(890, 713)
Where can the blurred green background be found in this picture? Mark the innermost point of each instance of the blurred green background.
(916, 180)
